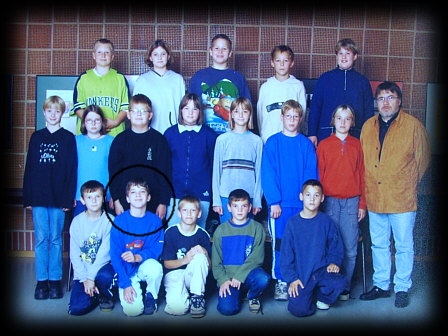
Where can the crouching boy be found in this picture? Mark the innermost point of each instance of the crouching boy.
(136, 245)
(311, 253)
(186, 259)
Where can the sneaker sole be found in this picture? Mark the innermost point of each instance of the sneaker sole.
(197, 315)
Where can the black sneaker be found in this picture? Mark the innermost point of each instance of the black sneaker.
(55, 290)
(150, 304)
(42, 291)
(197, 307)
(106, 304)
(375, 293)
(401, 299)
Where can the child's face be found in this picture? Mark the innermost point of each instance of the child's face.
(189, 213)
(282, 63)
(220, 51)
(190, 114)
(159, 57)
(138, 196)
(103, 54)
(291, 120)
(93, 123)
(343, 121)
(139, 115)
(312, 197)
(240, 211)
(345, 58)
(93, 200)
(241, 115)
(53, 115)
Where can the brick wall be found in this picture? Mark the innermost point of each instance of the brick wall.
(396, 43)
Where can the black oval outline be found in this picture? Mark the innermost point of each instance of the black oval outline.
(164, 222)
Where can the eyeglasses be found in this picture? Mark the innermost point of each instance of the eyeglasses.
(93, 121)
(293, 117)
(139, 111)
(388, 98)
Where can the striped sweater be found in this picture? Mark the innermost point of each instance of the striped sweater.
(237, 165)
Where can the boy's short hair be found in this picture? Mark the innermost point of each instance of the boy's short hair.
(189, 199)
(340, 108)
(312, 183)
(141, 99)
(54, 100)
(238, 195)
(104, 41)
(245, 102)
(92, 186)
(137, 182)
(155, 45)
(197, 103)
(282, 48)
(292, 104)
(347, 44)
(97, 110)
(224, 37)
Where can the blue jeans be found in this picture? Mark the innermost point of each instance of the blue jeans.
(402, 227)
(48, 226)
(255, 283)
(80, 302)
(344, 213)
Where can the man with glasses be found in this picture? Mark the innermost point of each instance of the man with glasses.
(396, 154)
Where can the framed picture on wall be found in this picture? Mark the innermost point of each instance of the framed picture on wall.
(62, 86)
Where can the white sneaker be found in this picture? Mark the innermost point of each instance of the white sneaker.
(281, 291)
(322, 306)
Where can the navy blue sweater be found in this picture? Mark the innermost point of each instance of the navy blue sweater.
(50, 171)
(309, 244)
(192, 161)
(334, 88)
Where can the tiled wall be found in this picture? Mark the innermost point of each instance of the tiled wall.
(396, 43)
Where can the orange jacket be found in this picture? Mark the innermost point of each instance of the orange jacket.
(391, 183)
(341, 168)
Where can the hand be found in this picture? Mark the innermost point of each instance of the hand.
(235, 283)
(293, 289)
(276, 211)
(218, 210)
(255, 211)
(111, 204)
(118, 207)
(89, 287)
(361, 214)
(129, 294)
(111, 123)
(332, 268)
(161, 211)
(130, 257)
(313, 140)
(224, 289)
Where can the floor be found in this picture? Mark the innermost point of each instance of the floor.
(344, 316)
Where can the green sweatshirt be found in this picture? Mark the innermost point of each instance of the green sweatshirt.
(237, 250)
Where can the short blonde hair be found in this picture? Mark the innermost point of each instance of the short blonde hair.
(54, 100)
(292, 104)
(245, 103)
(340, 108)
(189, 199)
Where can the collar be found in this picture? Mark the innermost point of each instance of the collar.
(183, 128)
(387, 123)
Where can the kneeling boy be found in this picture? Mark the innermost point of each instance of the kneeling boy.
(311, 253)
(135, 247)
(186, 259)
(238, 256)
(90, 254)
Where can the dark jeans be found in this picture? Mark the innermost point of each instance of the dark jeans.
(256, 281)
(80, 302)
